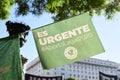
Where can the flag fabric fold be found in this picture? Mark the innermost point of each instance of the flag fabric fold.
(67, 41)
(10, 61)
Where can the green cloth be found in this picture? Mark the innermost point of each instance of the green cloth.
(10, 60)
(67, 41)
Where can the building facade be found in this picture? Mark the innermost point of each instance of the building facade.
(87, 69)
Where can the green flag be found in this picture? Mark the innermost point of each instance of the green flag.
(67, 41)
(10, 62)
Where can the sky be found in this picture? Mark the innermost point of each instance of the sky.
(108, 32)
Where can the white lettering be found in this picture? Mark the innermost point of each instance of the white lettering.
(58, 37)
(65, 35)
(61, 36)
(42, 34)
(86, 28)
(72, 33)
(50, 39)
(44, 42)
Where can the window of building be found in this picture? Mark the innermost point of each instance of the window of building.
(70, 66)
(48, 73)
(89, 73)
(81, 76)
(63, 74)
(74, 70)
(81, 71)
(96, 77)
(111, 71)
(62, 69)
(88, 61)
(74, 75)
(86, 77)
(89, 77)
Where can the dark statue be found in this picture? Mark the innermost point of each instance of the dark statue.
(15, 28)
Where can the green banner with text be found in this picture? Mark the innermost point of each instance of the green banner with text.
(67, 41)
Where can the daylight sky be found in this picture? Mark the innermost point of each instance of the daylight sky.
(108, 32)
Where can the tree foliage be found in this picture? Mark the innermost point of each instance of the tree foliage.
(66, 8)
(5, 5)
(71, 79)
